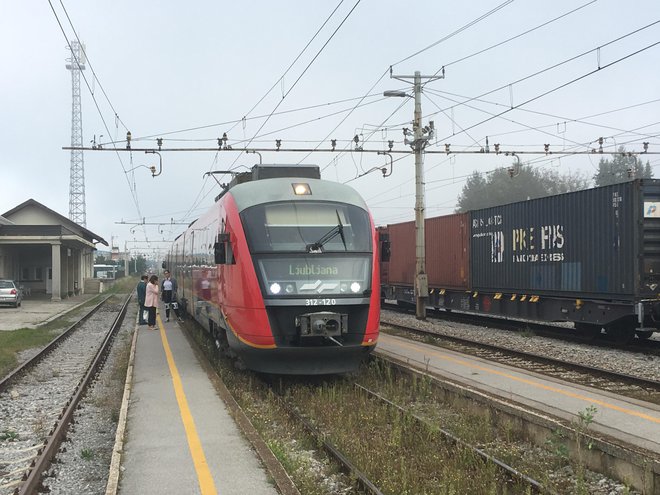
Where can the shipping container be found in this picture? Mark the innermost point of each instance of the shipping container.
(591, 257)
(447, 252)
(401, 268)
(384, 250)
(598, 243)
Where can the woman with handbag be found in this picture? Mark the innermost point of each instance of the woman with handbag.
(151, 300)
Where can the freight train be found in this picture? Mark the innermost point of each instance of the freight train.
(590, 257)
(283, 272)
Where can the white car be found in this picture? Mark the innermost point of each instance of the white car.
(10, 293)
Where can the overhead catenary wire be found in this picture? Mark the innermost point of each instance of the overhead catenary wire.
(529, 128)
(554, 66)
(556, 88)
(257, 117)
(532, 75)
(512, 38)
(484, 16)
(456, 32)
(546, 69)
(561, 119)
(318, 53)
(302, 74)
(292, 63)
(344, 167)
(246, 117)
(564, 84)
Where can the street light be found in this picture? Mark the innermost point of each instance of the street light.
(396, 94)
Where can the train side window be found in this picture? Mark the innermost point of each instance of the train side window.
(223, 252)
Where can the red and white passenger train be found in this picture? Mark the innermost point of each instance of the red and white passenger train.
(283, 272)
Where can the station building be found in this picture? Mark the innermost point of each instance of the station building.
(45, 252)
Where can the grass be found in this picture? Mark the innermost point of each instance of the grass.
(15, 341)
(8, 435)
(395, 452)
(400, 455)
(87, 454)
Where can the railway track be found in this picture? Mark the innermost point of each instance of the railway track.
(38, 400)
(510, 479)
(646, 346)
(635, 387)
(379, 428)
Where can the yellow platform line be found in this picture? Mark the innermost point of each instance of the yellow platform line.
(206, 483)
(533, 383)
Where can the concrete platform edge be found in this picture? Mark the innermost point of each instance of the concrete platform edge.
(115, 463)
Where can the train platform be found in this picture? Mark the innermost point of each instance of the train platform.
(37, 310)
(178, 435)
(633, 422)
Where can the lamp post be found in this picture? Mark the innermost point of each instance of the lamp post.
(421, 137)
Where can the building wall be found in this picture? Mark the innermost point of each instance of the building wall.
(33, 216)
(29, 256)
(8, 265)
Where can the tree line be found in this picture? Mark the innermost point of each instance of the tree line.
(523, 182)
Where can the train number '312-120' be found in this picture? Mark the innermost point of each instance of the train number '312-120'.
(320, 302)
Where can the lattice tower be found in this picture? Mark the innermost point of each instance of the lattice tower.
(77, 210)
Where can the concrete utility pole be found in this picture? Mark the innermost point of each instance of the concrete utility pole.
(126, 259)
(77, 209)
(421, 136)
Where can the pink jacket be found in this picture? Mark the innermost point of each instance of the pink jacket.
(151, 301)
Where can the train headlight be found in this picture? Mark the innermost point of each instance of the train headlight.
(275, 288)
(355, 287)
(301, 189)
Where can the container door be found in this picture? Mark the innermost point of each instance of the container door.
(650, 239)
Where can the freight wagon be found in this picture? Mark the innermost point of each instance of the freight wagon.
(590, 257)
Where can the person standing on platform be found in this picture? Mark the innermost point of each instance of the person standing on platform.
(151, 300)
(168, 288)
(141, 295)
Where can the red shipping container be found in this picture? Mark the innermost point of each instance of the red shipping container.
(447, 252)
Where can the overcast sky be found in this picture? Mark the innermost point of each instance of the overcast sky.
(209, 66)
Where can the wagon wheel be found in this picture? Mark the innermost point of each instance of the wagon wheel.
(620, 332)
(589, 331)
(644, 334)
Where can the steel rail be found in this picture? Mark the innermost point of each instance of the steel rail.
(650, 347)
(630, 380)
(534, 485)
(33, 479)
(360, 478)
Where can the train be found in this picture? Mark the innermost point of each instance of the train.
(283, 272)
(590, 258)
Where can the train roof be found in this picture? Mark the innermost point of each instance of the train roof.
(282, 189)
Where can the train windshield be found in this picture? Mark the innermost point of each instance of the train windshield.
(307, 227)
